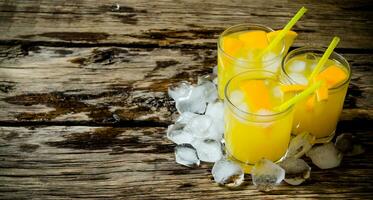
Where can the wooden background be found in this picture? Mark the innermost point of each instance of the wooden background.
(83, 103)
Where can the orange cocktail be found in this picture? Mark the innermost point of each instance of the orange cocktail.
(319, 113)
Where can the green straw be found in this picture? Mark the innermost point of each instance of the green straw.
(307, 92)
(324, 58)
(284, 31)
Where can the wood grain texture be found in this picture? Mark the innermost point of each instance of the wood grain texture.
(113, 84)
(178, 23)
(58, 162)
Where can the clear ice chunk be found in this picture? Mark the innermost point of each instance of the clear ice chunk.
(227, 173)
(216, 112)
(176, 134)
(210, 92)
(180, 90)
(266, 174)
(199, 126)
(186, 155)
(194, 102)
(299, 78)
(271, 63)
(236, 97)
(348, 145)
(276, 91)
(297, 66)
(215, 70)
(296, 170)
(186, 117)
(325, 156)
(300, 144)
(208, 150)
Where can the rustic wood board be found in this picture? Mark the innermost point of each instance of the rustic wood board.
(63, 162)
(178, 23)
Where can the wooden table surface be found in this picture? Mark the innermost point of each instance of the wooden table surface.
(83, 103)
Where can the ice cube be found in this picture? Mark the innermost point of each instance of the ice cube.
(210, 92)
(348, 145)
(208, 150)
(215, 81)
(300, 144)
(180, 90)
(185, 154)
(297, 66)
(227, 173)
(266, 174)
(199, 126)
(215, 70)
(177, 134)
(206, 78)
(215, 110)
(194, 102)
(277, 92)
(236, 97)
(186, 117)
(296, 170)
(325, 156)
(299, 78)
(271, 63)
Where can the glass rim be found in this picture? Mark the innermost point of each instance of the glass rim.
(275, 114)
(303, 50)
(248, 25)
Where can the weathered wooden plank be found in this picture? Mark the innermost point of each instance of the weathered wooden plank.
(178, 23)
(113, 84)
(138, 163)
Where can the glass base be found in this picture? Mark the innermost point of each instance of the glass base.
(247, 166)
(325, 139)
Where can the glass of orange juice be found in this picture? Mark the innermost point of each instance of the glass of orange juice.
(319, 113)
(239, 47)
(253, 129)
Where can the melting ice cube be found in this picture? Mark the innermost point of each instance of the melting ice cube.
(210, 93)
(186, 155)
(297, 66)
(208, 150)
(299, 78)
(348, 145)
(227, 173)
(215, 70)
(271, 62)
(216, 112)
(296, 170)
(325, 156)
(177, 134)
(266, 174)
(236, 97)
(199, 126)
(186, 117)
(300, 145)
(180, 90)
(194, 102)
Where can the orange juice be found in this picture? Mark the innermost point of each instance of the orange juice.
(239, 48)
(319, 113)
(252, 129)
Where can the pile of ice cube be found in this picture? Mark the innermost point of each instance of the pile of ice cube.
(198, 134)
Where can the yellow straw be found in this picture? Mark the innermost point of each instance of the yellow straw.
(284, 31)
(324, 58)
(311, 89)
